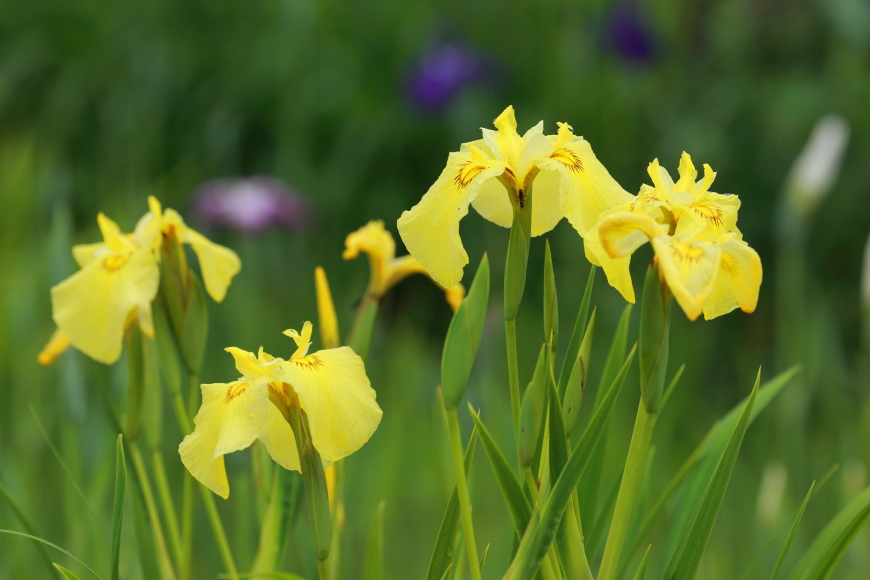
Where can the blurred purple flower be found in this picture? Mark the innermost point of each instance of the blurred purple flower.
(251, 205)
(629, 34)
(442, 72)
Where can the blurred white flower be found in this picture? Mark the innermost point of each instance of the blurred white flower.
(251, 204)
(816, 168)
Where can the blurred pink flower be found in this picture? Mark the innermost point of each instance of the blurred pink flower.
(251, 204)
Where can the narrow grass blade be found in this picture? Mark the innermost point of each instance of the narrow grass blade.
(696, 482)
(374, 563)
(539, 536)
(483, 557)
(442, 555)
(673, 384)
(577, 335)
(551, 302)
(641, 570)
(517, 504)
(705, 518)
(118, 508)
(589, 487)
(791, 533)
(823, 555)
(66, 573)
(56, 547)
(25, 521)
(270, 575)
(596, 534)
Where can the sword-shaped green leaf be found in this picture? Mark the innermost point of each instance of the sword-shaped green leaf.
(118, 507)
(577, 335)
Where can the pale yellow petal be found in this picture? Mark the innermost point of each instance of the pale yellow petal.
(616, 269)
(623, 232)
(217, 263)
(739, 279)
(690, 271)
(587, 189)
(84, 254)
(248, 364)
(430, 230)
(510, 144)
(401, 268)
(493, 203)
(231, 417)
(372, 239)
(278, 438)
(335, 393)
(688, 174)
(146, 320)
(57, 344)
(91, 306)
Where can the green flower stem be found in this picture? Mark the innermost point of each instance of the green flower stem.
(207, 498)
(168, 507)
(323, 569)
(186, 525)
(360, 337)
(510, 331)
(628, 489)
(166, 570)
(337, 521)
(462, 492)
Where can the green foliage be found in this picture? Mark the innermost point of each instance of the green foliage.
(463, 337)
(118, 508)
(373, 569)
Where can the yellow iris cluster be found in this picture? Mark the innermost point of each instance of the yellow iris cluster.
(330, 386)
(699, 250)
(120, 277)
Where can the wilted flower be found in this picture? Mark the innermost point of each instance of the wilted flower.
(495, 175)
(251, 205)
(443, 71)
(330, 386)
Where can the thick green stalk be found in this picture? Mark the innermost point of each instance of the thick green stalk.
(628, 489)
(462, 492)
(166, 570)
(323, 569)
(360, 337)
(168, 507)
(510, 331)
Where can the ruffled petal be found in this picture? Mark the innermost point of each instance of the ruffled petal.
(335, 393)
(739, 279)
(430, 229)
(690, 270)
(249, 364)
(230, 418)
(688, 174)
(84, 254)
(217, 263)
(616, 269)
(587, 189)
(91, 306)
(493, 203)
(278, 438)
(623, 232)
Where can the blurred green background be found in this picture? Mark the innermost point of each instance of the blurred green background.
(356, 105)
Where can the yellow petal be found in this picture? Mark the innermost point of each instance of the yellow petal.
(454, 296)
(326, 310)
(303, 340)
(250, 365)
(57, 344)
(547, 207)
(217, 263)
(230, 418)
(493, 203)
(510, 144)
(146, 320)
(739, 279)
(430, 230)
(378, 244)
(688, 174)
(616, 269)
(690, 269)
(278, 438)
(401, 268)
(703, 185)
(335, 393)
(92, 305)
(84, 254)
(623, 232)
(587, 189)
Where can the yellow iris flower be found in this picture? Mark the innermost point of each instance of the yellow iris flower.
(495, 174)
(693, 231)
(119, 278)
(387, 270)
(330, 386)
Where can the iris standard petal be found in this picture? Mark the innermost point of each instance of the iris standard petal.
(587, 188)
(247, 363)
(92, 305)
(430, 229)
(230, 418)
(217, 263)
(688, 174)
(509, 142)
(336, 395)
(84, 254)
(690, 270)
(739, 279)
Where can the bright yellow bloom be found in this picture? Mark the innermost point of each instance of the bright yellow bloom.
(709, 275)
(330, 386)
(686, 209)
(329, 335)
(387, 270)
(119, 278)
(495, 174)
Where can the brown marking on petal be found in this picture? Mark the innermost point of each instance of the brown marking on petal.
(569, 159)
(308, 362)
(235, 391)
(711, 213)
(687, 252)
(467, 172)
(114, 262)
